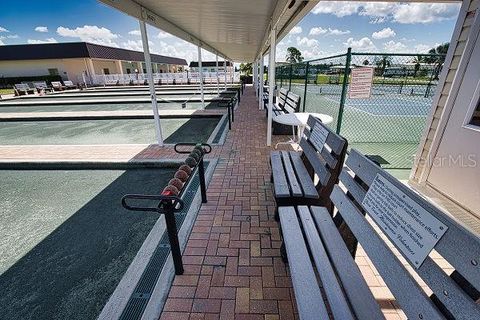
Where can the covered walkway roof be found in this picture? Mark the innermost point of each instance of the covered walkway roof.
(235, 29)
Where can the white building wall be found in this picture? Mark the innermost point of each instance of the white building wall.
(29, 68)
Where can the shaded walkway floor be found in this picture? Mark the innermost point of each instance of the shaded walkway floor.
(233, 264)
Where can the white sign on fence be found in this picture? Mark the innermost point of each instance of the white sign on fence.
(412, 229)
(361, 83)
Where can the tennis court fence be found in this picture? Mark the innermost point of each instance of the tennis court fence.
(387, 123)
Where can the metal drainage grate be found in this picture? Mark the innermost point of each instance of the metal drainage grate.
(138, 300)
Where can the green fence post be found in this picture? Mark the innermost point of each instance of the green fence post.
(306, 84)
(290, 78)
(344, 89)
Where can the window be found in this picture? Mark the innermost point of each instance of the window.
(475, 120)
(106, 71)
(53, 72)
(129, 71)
(144, 70)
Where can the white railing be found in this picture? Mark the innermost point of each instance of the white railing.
(158, 78)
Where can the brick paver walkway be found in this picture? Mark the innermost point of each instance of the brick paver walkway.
(232, 259)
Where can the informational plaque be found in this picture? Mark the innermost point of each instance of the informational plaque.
(319, 136)
(361, 83)
(413, 230)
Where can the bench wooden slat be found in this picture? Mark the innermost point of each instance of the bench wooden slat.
(363, 302)
(326, 155)
(406, 290)
(457, 301)
(281, 188)
(315, 161)
(335, 296)
(353, 187)
(307, 292)
(303, 176)
(295, 188)
(458, 246)
(334, 141)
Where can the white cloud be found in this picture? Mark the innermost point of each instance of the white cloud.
(378, 20)
(336, 32)
(2, 43)
(425, 12)
(163, 35)
(296, 30)
(135, 33)
(12, 36)
(304, 41)
(392, 46)
(338, 8)
(364, 44)
(315, 31)
(423, 48)
(35, 41)
(91, 34)
(133, 45)
(41, 29)
(319, 30)
(2, 29)
(384, 34)
(379, 12)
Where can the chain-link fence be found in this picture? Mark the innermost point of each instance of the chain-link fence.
(389, 123)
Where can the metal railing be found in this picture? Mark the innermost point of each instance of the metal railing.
(158, 78)
(390, 123)
(168, 204)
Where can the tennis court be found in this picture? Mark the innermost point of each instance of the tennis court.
(388, 124)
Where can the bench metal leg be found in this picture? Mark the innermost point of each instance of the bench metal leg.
(292, 141)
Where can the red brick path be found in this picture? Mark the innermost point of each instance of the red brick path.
(233, 268)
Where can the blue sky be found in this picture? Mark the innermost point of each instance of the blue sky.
(329, 29)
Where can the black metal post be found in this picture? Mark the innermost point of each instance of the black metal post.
(344, 89)
(201, 176)
(168, 210)
(290, 78)
(306, 85)
(229, 116)
(232, 105)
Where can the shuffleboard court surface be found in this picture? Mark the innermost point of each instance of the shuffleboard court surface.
(121, 131)
(105, 107)
(66, 239)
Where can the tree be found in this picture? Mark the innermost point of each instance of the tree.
(294, 55)
(417, 60)
(383, 63)
(246, 68)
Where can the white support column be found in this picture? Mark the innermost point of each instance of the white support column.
(271, 82)
(200, 68)
(225, 71)
(260, 100)
(254, 79)
(233, 71)
(216, 73)
(153, 96)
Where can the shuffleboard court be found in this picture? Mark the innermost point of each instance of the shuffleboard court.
(104, 107)
(108, 131)
(66, 239)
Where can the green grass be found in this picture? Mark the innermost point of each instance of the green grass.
(6, 91)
